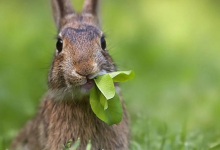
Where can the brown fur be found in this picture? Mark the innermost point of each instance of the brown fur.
(58, 122)
(65, 112)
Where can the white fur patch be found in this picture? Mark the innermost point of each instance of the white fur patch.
(97, 74)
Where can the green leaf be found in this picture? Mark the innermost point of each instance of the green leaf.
(75, 145)
(68, 145)
(113, 114)
(89, 145)
(115, 109)
(121, 76)
(103, 101)
(105, 85)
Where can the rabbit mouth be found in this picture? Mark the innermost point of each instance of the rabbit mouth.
(90, 82)
(88, 85)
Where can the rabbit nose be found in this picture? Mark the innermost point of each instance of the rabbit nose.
(83, 69)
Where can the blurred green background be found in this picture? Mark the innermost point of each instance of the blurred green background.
(172, 45)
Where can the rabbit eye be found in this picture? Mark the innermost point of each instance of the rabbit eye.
(103, 43)
(59, 45)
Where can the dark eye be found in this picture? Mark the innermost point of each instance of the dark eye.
(103, 43)
(59, 45)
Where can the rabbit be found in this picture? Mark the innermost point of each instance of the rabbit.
(65, 113)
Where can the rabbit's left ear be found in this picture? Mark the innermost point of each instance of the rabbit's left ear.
(91, 7)
(61, 9)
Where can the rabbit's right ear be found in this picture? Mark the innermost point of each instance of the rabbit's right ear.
(61, 9)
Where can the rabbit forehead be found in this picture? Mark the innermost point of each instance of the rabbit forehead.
(84, 33)
(81, 40)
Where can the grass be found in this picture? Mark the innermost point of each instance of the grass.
(173, 47)
(160, 137)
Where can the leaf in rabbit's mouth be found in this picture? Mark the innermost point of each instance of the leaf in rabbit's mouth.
(104, 101)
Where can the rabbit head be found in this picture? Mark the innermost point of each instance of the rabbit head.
(81, 51)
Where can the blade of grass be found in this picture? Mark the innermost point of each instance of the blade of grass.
(216, 147)
(164, 137)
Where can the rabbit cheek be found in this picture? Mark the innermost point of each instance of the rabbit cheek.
(56, 78)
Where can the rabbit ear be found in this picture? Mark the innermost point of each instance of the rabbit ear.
(61, 8)
(91, 7)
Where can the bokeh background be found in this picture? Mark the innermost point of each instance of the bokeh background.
(172, 45)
